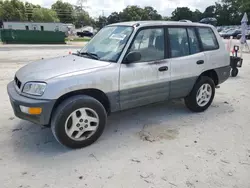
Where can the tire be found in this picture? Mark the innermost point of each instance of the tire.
(63, 114)
(234, 72)
(191, 100)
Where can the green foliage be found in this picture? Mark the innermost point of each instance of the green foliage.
(12, 10)
(197, 15)
(182, 13)
(44, 15)
(130, 13)
(227, 12)
(29, 7)
(101, 22)
(82, 18)
(65, 11)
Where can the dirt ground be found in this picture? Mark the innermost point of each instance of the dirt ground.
(161, 145)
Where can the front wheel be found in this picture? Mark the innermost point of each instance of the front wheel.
(202, 95)
(79, 121)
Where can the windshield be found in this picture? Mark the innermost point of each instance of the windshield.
(108, 43)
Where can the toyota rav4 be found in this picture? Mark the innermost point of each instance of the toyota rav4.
(125, 65)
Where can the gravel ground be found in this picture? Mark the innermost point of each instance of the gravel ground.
(161, 145)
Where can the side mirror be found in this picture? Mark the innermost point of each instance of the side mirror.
(132, 57)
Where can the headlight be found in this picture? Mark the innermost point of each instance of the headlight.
(34, 88)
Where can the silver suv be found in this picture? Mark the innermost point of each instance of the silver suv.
(125, 65)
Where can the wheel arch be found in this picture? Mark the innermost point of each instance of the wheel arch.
(211, 74)
(95, 93)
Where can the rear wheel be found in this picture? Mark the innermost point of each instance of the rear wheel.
(79, 121)
(234, 72)
(202, 95)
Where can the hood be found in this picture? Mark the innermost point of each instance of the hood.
(45, 69)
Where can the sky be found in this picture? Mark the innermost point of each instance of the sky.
(99, 7)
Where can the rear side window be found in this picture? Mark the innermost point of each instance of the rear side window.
(208, 39)
(193, 41)
(178, 39)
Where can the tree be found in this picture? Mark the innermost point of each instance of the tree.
(29, 7)
(82, 19)
(210, 11)
(101, 22)
(64, 11)
(244, 6)
(236, 9)
(1, 10)
(197, 16)
(182, 13)
(131, 13)
(44, 15)
(13, 10)
(80, 4)
(149, 13)
(222, 14)
(114, 17)
(134, 13)
(166, 18)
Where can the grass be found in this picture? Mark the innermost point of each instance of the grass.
(78, 40)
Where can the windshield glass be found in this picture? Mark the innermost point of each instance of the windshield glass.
(108, 43)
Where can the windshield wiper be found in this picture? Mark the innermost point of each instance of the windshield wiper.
(92, 55)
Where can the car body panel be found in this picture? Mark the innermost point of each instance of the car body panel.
(16, 100)
(219, 57)
(46, 69)
(104, 79)
(184, 72)
(142, 83)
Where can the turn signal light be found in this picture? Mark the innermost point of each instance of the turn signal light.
(31, 110)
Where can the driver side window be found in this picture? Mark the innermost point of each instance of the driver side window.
(150, 44)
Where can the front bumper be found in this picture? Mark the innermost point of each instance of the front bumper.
(16, 100)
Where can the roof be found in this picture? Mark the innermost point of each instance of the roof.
(155, 23)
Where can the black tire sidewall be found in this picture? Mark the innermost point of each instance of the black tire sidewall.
(191, 101)
(234, 72)
(65, 109)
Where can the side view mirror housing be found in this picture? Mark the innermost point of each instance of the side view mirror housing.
(132, 57)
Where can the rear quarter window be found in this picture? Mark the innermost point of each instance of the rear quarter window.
(208, 39)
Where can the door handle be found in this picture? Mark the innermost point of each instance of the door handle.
(200, 62)
(164, 68)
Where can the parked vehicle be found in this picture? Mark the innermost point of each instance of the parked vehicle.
(211, 21)
(231, 33)
(219, 29)
(247, 35)
(185, 21)
(224, 31)
(84, 34)
(125, 65)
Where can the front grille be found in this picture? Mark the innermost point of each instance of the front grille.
(17, 82)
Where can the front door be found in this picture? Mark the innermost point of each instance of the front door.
(140, 83)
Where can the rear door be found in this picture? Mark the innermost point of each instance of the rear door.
(214, 51)
(186, 58)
